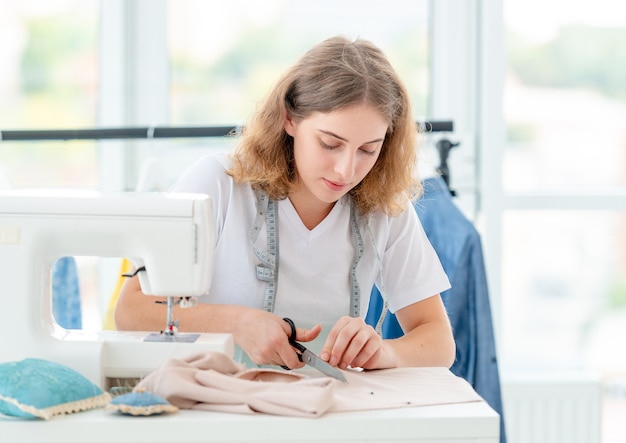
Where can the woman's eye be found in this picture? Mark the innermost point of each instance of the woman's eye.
(326, 146)
(368, 152)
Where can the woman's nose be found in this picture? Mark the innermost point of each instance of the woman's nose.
(345, 165)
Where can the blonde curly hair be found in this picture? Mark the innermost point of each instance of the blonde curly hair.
(334, 74)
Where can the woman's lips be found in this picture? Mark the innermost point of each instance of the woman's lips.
(335, 186)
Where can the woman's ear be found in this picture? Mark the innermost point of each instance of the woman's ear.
(289, 124)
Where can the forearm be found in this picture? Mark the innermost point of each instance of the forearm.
(430, 344)
(428, 338)
(139, 312)
(264, 336)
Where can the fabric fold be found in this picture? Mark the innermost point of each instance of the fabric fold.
(215, 382)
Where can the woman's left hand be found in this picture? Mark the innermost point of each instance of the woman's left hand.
(352, 342)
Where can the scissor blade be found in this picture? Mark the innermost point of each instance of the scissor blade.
(314, 361)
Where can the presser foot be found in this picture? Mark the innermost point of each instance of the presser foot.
(171, 338)
(170, 333)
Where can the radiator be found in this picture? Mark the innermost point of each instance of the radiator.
(549, 410)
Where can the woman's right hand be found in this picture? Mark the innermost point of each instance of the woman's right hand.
(265, 338)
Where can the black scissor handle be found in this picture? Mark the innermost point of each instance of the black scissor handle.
(292, 340)
(292, 336)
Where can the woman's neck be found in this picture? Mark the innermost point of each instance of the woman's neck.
(310, 210)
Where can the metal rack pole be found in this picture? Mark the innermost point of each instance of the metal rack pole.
(149, 132)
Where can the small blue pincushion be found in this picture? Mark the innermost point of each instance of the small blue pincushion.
(140, 403)
(36, 388)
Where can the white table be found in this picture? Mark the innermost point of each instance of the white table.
(453, 423)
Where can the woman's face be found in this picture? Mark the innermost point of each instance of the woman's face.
(334, 151)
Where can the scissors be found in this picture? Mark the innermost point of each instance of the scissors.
(309, 358)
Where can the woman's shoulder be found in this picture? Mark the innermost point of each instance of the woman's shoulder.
(389, 228)
(217, 162)
(408, 214)
(206, 172)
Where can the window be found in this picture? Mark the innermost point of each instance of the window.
(563, 174)
(49, 80)
(565, 97)
(224, 56)
(565, 289)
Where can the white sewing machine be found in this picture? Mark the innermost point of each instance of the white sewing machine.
(168, 234)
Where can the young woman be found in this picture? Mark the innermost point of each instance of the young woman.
(312, 209)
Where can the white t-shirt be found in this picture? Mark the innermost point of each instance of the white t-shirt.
(314, 265)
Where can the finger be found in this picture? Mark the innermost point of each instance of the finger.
(356, 345)
(338, 340)
(305, 335)
(331, 338)
(289, 358)
(286, 354)
(272, 346)
(265, 349)
(367, 356)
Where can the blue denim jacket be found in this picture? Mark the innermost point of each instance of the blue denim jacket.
(458, 244)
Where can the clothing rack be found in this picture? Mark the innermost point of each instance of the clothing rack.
(444, 145)
(150, 132)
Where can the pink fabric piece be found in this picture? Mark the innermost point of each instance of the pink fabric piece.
(215, 382)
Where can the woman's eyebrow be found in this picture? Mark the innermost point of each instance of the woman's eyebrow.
(332, 134)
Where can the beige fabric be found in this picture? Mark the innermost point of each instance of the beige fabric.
(400, 387)
(214, 382)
